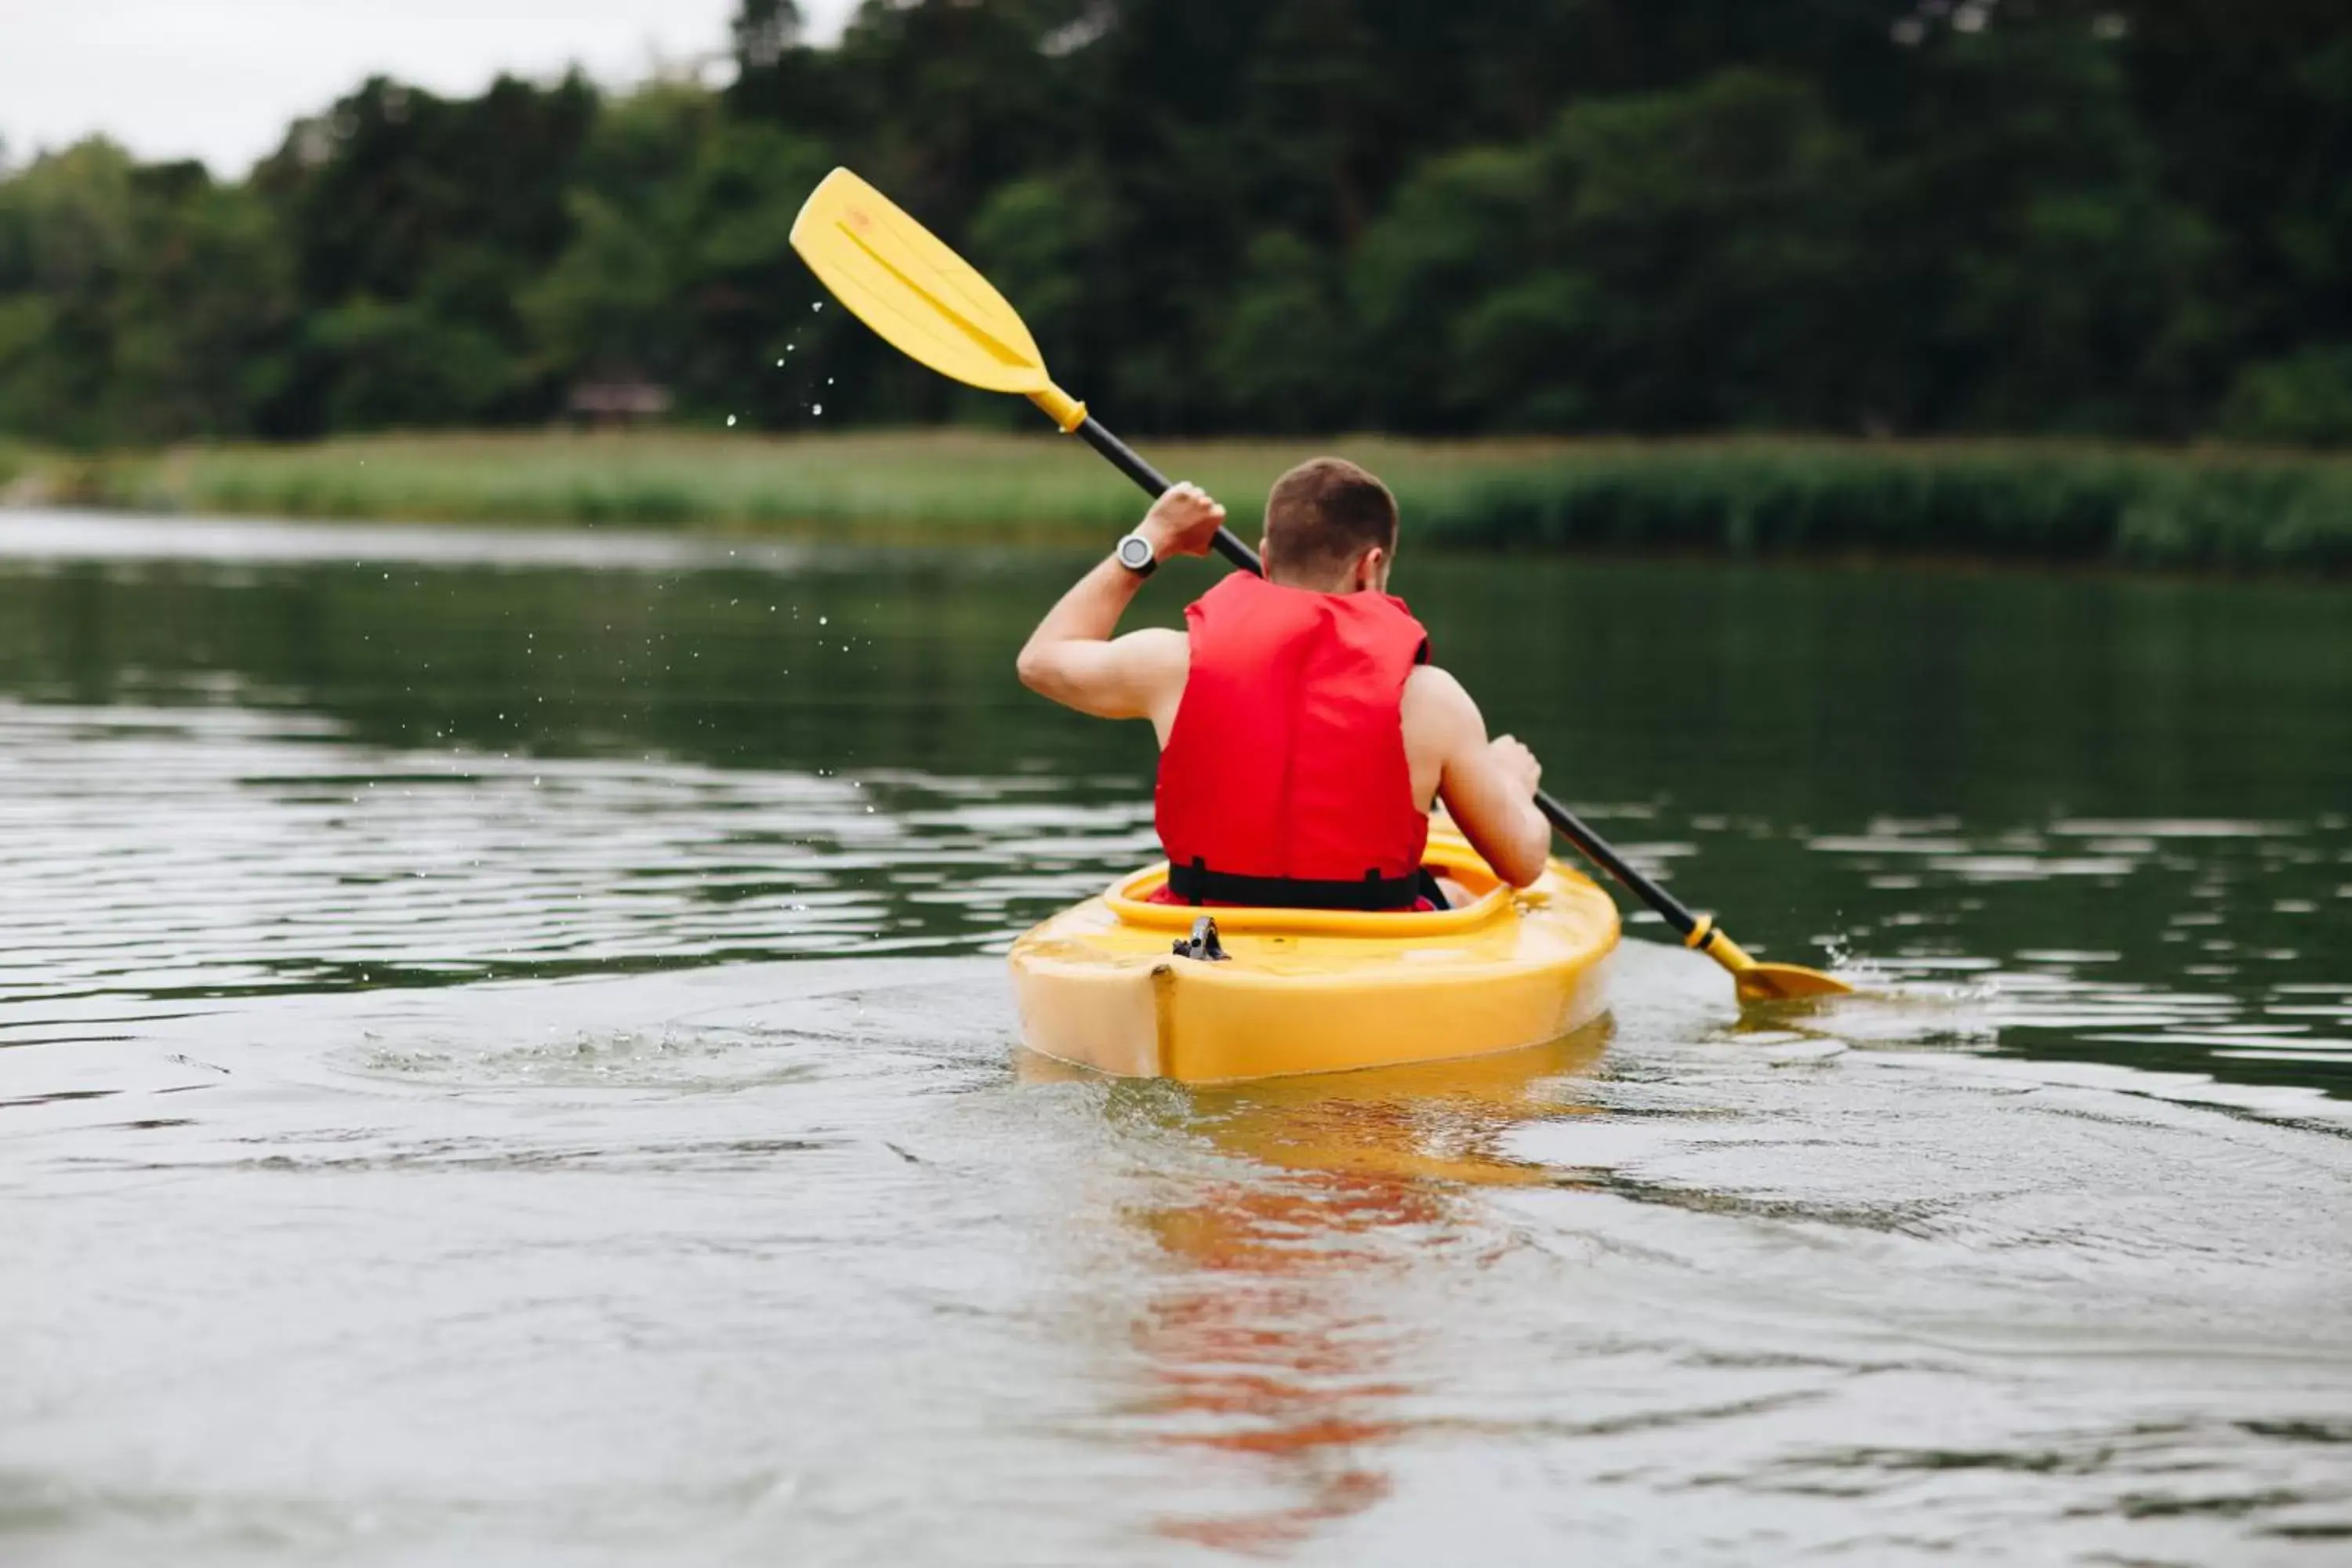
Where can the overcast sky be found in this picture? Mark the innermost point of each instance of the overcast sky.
(219, 79)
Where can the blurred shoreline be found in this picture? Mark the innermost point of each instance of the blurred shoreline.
(2207, 509)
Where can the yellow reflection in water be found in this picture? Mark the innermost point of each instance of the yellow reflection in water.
(1259, 1345)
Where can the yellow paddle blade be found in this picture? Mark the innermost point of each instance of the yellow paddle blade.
(1785, 983)
(923, 299)
(1761, 982)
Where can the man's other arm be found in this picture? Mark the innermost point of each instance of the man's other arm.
(1488, 786)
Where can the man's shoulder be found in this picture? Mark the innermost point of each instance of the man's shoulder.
(1430, 687)
(1436, 711)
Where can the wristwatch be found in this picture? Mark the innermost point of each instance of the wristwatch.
(1135, 553)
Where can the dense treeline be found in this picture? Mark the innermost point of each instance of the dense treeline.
(2132, 219)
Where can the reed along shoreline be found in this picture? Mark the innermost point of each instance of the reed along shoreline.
(2210, 508)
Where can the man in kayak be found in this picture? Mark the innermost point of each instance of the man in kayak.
(1304, 736)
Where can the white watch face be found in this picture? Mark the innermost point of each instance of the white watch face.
(1135, 553)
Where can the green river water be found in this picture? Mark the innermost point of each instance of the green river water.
(504, 1057)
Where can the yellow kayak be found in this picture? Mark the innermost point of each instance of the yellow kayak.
(1105, 986)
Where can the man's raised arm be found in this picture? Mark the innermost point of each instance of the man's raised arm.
(1074, 659)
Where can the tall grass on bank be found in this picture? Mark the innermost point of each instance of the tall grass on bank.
(2203, 509)
(2209, 508)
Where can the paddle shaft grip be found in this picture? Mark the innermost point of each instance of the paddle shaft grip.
(1570, 826)
(1154, 483)
(1595, 848)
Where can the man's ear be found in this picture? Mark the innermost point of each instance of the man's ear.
(1372, 569)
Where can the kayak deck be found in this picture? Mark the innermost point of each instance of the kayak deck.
(1308, 990)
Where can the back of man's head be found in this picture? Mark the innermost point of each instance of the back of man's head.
(1321, 518)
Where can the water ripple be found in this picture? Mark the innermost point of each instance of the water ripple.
(215, 853)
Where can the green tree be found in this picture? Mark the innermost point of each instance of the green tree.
(1280, 350)
(2057, 285)
(616, 301)
(137, 303)
(1046, 242)
(416, 224)
(2304, 399)
(1670, 260)
(680, 268)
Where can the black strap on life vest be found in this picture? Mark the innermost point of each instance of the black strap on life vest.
(1196, 884)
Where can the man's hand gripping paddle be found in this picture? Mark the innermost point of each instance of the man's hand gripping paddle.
(929, 303)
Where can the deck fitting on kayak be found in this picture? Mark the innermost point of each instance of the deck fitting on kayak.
(1203, 944)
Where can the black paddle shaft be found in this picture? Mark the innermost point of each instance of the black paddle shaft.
(1571, 826)
(1155, 484)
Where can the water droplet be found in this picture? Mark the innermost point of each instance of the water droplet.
(818, 306)
(828, 381)
(824, 620)
(730, 422)
(780, 364)
(817, 409)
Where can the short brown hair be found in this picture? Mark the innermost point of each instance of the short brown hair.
(1324, 513)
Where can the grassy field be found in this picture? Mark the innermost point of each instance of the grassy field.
(2202, 509)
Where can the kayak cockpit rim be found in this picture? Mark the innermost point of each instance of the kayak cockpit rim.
(1491, 898)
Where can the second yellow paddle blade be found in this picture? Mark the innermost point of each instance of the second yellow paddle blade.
(1785, 983)
(923, 299)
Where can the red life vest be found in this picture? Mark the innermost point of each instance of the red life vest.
(1284, 781)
